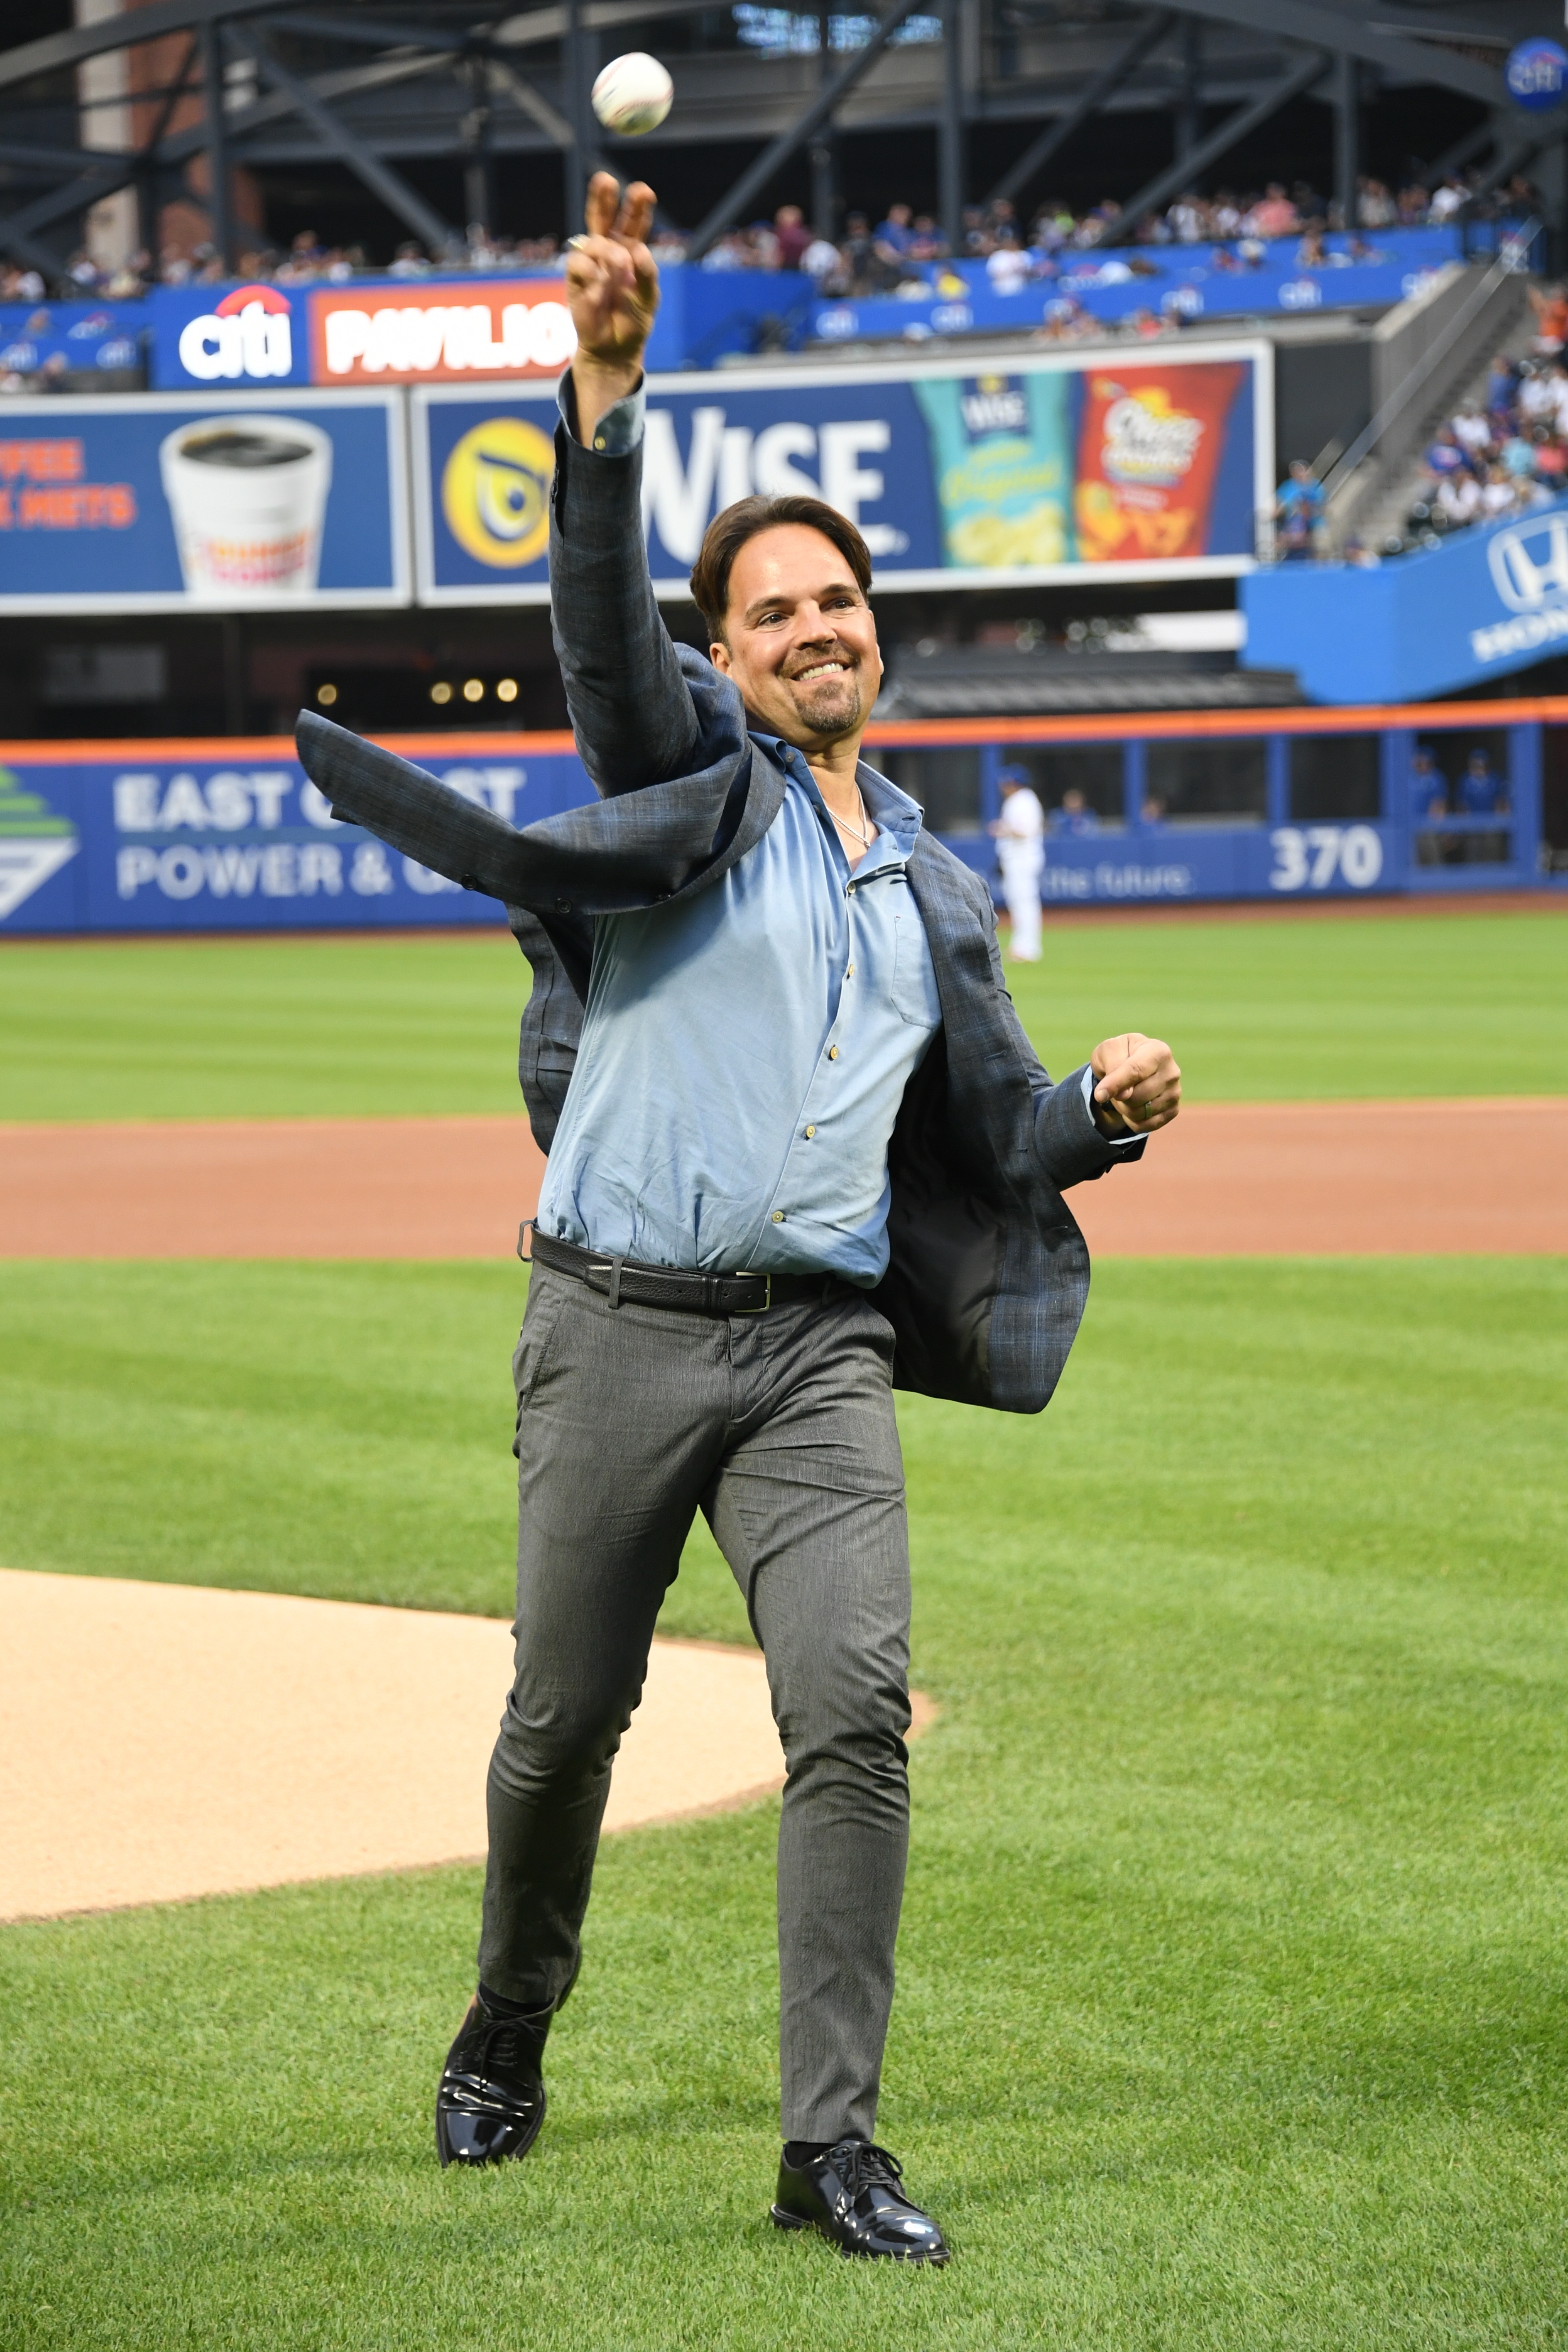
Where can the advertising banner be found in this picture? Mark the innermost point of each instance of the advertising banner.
(958, 477)
(66, 337)
(383, 331)
(140, 504)
(1491, 599)
(234, 837)
(436, 330)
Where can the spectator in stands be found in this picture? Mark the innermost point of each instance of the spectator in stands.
(1551, 309)
(1549, 458)
(1007, 266)
(1020, 852)
(1054, 226)
(1499, 494)
(868, 273)
(927, 243)
(1375, 208)
(1274, 215)
(1517, 457)
(1471, 430)
(821, 259)
(1457, 499)
(1412, 205)
(1359, 556)
(1443, 453)
(1153, 812)
(896, 234)
(1188, 219)
(1299, 512)
(1450, 198)
(410, 260)
(1502, 379)
(726, 253)
(791, 235)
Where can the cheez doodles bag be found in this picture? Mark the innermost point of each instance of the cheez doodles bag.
(1149, 448)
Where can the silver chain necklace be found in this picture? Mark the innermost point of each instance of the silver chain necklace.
(854, 830)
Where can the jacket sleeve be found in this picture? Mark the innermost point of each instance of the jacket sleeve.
(632, 708)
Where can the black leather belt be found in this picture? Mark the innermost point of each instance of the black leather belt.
(624, 1283)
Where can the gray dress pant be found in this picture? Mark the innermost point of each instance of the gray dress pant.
(780, 1428)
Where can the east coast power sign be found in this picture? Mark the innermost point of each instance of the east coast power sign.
(1142, 469)
(424, 330)
(234, 837)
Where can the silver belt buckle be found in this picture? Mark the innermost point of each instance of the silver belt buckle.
(767, 1282)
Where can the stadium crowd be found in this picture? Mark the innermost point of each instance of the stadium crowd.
(903, 251)
(1507, 451)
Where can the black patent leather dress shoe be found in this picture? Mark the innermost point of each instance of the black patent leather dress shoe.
(489, 2103)
(854, 2196)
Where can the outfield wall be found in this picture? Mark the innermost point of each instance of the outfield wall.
(230, 834)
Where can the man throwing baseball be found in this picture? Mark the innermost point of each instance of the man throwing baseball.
(800, 1150)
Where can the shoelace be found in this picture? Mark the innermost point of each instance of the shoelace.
(499, 2042)
(861, 2164)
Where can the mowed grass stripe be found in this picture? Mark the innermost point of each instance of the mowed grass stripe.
(1231, 2009)
(1259, 1010)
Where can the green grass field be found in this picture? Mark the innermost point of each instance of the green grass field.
(1232, 2012)
(1269, 1009)
(1232, 2008)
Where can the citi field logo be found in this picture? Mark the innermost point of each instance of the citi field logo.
(34, 843)
(248, 335)
(495, 492)
(1529, 564)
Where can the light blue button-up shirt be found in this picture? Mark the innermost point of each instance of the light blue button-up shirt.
(744, 1054)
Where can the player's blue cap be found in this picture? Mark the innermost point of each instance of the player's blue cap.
(1012, 775)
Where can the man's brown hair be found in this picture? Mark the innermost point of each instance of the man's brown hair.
(728, 532)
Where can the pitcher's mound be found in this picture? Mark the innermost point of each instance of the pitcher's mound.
(162, 1740)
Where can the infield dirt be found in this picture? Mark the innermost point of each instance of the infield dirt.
(1228, 1179)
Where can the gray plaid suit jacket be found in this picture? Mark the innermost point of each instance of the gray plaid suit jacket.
(989, 1273)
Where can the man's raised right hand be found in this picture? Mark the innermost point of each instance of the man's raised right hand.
(612, 285)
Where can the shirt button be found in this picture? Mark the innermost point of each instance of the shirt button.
(809, 1133)
(600, 442)
(778, 1216)
(850, 973)
(833, 1053)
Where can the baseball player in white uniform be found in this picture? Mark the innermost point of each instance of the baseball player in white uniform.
(1021, 850)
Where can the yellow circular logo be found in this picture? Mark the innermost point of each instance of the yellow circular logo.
(495, 492)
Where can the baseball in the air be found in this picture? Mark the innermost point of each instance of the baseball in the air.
(633, 94)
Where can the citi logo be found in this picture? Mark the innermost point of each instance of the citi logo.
(248, 334)
(1529, 564)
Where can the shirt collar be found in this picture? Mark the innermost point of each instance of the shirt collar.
(896, 817)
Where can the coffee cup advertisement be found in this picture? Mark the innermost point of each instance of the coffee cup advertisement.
(162, 502)
(248, 497)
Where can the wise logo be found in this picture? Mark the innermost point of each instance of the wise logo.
(34, 842)
(247, 335)
(495, 492)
